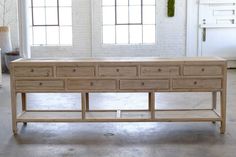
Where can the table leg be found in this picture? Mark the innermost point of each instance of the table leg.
(214, 102)
(23, 101)
(151, 100)
(223, 111)
(87, 102)
(14, 111)
(83, 104)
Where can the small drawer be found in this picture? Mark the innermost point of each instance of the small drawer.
(40, 84)
(91, 84)
(33, 71)
(75, 71)
(203, 70)
(197, 84)
(144, 84)
(129, 71)
(160, 71)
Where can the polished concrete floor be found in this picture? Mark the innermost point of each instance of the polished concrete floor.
(118, 139)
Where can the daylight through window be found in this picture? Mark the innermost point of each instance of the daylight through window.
(129, 21)
(51, 22)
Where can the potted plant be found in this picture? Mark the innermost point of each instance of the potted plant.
(5, 39)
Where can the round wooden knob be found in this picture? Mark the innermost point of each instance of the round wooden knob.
(159, 70)
(32, 70)
(74, 70)
(195, 83)
(203, 69)
(117, 70)
(142, 83)
(91, 83)
(40, 83)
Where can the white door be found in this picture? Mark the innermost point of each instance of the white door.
(220, 42)
(217, 19)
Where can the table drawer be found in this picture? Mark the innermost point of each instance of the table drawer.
(197, 84)
(33, 71)
(40, 84)
(75, 71)
(144, 84)
(119, 71)
(203, 70)
(75, 84)
(160, 71)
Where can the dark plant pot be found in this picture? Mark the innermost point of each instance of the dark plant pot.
(11, 56)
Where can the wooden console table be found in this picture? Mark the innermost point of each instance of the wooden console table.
(149, 75)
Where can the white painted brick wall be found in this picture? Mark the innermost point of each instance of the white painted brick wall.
(171, 35)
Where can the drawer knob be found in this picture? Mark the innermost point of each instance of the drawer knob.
(159, 70)
(40, 83)
(117, 70)
(142, 83)
(32, 70)
(203, 69)
(91, 83)
(74, 70)
(195, 82)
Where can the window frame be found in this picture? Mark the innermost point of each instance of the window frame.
(46, 25)
(141, 16)
(59, 25)
(129, 43)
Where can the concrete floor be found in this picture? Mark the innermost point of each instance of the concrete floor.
(118, 139)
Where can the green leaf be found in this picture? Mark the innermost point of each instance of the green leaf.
(171, 8)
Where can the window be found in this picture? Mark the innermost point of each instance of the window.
(51, 22)
(129, 21)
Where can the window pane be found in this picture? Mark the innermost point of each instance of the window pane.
(39, 36)
(65, 3)
(108, 15)
(66, 35)
(51, 3)
(39, 16)
(122, 2)
(52, 35)
(108, 2)
(149, 15)
(109, 34)
(135, 14)
(122, 15)
(51, 18)
(149, 34)
(38, 3)
(122, 34)
(136, 34)
(149, 2)
(65, 16)
(135, 2)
